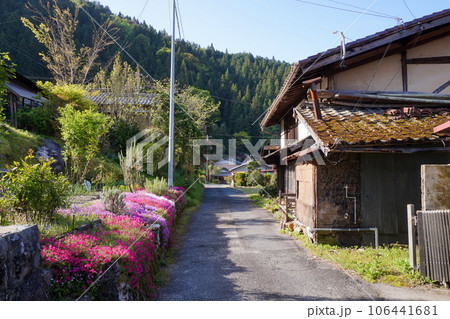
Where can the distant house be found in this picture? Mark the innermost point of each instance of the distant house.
(22, 92)
(227, 163)
(104, 98)
(356, 124)
(269, 169)
(140, 101)
(231, 166)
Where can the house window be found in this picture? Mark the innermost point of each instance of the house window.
(290, 178)
(290, 127)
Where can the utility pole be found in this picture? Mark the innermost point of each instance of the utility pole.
(172, 101)
(207, 176)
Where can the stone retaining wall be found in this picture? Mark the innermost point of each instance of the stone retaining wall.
(21, 275)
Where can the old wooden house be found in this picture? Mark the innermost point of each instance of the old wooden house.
(357, 121)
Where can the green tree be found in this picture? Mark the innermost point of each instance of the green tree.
(194, 108)
(255, 178)
(60, 95)
(81, 132)
(6, 72)
(253, 165)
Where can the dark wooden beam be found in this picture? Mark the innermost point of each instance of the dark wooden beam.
(404, 71)
(442, 87)
(430, 60)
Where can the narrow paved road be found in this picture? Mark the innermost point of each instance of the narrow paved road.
(233, 251)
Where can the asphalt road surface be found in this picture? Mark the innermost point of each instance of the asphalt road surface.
(233, 251)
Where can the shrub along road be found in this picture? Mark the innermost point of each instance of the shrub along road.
(233, 251)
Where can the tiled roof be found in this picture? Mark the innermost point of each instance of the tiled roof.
(359, 126)
(105, 98)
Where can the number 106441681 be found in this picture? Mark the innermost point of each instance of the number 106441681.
(403, 310)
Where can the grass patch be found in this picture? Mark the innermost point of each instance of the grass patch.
(15, 144)
(248, 190)
(59, 225)
(271, 204)
(194, 194)
(387, 264)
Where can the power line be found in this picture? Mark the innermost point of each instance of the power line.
(134, 60)
(356, 7)
(296, 20)
(24, 53)
(348, 10)
(179, 21)
(406, 5)
(123, 42)
(321, 55)
(9, 21)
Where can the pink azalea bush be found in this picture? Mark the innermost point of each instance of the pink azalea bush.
(77, 260)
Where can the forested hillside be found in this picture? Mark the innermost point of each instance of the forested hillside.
(245, 85)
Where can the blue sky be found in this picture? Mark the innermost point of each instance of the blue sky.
(288, 30)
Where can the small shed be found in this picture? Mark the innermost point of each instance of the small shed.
(22, 92)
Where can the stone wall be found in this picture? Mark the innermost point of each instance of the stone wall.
(21, 275)
(334, 210)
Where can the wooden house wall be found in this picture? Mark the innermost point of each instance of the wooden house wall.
(388, 183)
(306, 194)
(290, 127)
(387, 77)
(428, 77)
(425, 76)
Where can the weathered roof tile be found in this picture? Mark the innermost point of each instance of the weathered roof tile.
(355, 126)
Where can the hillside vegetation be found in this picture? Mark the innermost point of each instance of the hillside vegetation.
(244, 85)
(15, 144)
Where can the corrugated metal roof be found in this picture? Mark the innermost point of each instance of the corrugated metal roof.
(360, 126)
(23, 92)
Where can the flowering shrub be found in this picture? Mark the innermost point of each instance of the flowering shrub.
(150, 215)
(153, 209)
(32, 189)
(78, 259)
